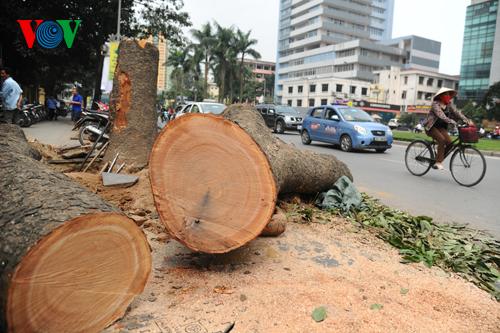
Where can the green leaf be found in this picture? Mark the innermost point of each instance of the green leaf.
(319, 314)
(441, 273)
(376, 307)
(404, 291)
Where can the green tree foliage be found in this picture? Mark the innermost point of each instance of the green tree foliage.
(50, 68)
(469, 110)
(243, 46)
(491, 102)
(205, 40)
(408, 119)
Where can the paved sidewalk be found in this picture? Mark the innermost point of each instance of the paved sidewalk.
(56, 132)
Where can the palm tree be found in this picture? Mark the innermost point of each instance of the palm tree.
(194, 61)
(223, 50)
(205, 40)
(174, 75)
(233, 69)
(243, 45)
(179, 59)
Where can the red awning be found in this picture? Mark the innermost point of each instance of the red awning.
(393, 111)
(380, 110)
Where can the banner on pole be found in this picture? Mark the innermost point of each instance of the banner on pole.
(113, 58)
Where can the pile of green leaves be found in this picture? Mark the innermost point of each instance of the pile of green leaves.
(452, 247)
(472, 254)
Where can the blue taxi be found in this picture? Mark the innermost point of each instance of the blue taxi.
(347, 126)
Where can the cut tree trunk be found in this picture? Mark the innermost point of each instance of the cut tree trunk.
(212, 185)
(295, 170)
(12, 139)
(133, 105)
(70, 261)
(215, 179)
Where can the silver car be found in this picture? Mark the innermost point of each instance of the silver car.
(201, 107)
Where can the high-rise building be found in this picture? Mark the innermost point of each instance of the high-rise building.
(480, 67)
(338, 45)
(163, 81)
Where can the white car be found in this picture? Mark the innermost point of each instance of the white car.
(393, 124)
(201, 107)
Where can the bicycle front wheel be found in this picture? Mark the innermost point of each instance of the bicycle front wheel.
(417, 158)
(468, 166)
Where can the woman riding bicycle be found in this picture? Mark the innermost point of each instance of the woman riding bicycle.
(436, 122)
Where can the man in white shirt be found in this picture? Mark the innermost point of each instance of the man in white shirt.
(11, 98)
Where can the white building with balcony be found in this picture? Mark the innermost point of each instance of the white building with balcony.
(338, 45)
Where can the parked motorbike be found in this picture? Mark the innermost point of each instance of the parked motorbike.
(91, 125)
(24, 117)
(62, 110)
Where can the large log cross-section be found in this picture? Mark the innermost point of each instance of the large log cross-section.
(69, 260)
(215, 179)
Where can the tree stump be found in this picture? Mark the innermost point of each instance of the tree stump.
(133, 105)
(215, 179)
(212, 185)
(70, 261)
(295, 170)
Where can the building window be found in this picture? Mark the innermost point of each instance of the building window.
(440, 83)
(364, 91)
(419, 95)
(299, 102)
(430, 82)
(346, 53)
(289, 102)
(290, 90)
(312, 88)
(339, 88)
(324, 87)
(323, 102)
(300, 89)
(311, 102)
(428, 96)
(353, 89)
(421, 80)
(406, 79)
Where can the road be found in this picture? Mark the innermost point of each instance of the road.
(383, 176)
(436, 194)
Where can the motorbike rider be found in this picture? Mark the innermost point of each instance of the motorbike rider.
(496, 133)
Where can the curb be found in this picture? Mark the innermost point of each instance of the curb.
(485, 152)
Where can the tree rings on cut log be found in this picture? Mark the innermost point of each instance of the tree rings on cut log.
(212, 184)
(81, 277)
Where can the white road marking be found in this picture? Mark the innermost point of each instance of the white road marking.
(386, 159)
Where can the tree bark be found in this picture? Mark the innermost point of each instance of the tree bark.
(212, 185)
(12, 139)
(215, 179)
(70, 261)
(133, 98)
(295, 170)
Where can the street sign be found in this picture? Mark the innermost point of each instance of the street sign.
(349, 103)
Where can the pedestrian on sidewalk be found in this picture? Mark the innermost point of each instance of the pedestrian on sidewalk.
(51, 105)
(76, 102)
(11, 98)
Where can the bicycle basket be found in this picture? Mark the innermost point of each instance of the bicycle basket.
(468, 134)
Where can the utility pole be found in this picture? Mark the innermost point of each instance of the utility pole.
(119, 19)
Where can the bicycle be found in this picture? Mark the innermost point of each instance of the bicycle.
(467, 164)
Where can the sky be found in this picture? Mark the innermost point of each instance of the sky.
(440, 20)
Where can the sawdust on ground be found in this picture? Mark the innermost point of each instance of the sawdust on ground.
(273, 284)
